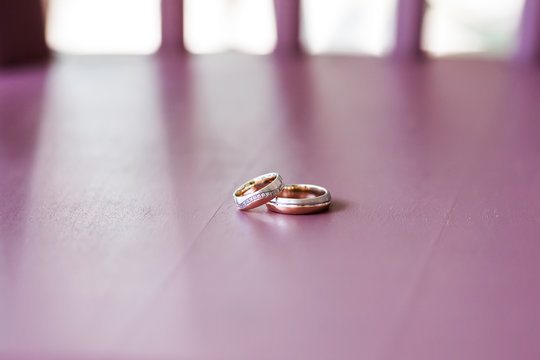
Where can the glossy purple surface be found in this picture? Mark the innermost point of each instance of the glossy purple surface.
(119, 237)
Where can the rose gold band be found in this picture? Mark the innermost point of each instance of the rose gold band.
(300, 199)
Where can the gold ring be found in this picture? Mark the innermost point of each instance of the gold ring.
(258, 191)
(300, 199)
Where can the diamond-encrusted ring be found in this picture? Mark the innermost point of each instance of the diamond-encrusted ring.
(300, 199)
(258, 191)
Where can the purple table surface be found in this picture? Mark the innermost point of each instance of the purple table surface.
(119, 238)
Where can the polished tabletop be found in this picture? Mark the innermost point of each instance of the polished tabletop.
(119, 237)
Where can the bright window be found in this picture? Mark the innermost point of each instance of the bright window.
(104, 26)
(337, 26)
(348, 26)
(471, 26)
(221, 25)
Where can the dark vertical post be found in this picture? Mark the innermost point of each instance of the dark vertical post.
(172, 25)
(528, 49)
(288, 26)
(410, 16)
(22, 31)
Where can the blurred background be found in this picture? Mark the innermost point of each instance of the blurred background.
(451, 27)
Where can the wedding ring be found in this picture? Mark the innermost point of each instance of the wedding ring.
(258, 191)
(300, 199)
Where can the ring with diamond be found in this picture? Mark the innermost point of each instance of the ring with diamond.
(300, 199)
(258, 191)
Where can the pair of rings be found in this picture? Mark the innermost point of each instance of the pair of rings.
(286, 199)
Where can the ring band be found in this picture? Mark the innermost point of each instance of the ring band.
(258, 191)
(300, 199)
